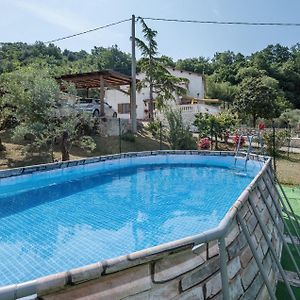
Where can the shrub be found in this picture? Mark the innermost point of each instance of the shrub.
(178, 135)
(154, 128)
(128, 137)
(204, 144)
(280, 138)
(215, 126)
(86, 143)
(236, 140)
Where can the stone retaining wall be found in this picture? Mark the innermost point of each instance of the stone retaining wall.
(295, 142)
(114, 126)
(181, 270)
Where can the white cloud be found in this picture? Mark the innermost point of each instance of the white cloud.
(58, 17)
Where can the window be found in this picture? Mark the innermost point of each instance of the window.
(124, 108)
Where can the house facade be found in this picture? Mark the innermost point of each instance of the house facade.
(190, 104)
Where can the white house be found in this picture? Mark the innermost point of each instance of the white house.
(190, 104)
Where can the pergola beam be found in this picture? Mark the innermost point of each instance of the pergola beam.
(92, 79)
(97, 80)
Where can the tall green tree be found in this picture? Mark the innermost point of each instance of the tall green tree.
(215, 126)
(256, 98)
(111, 58)
(199, 65)
(219, 90)
(226, 65)
(162, 84)
(35, 94)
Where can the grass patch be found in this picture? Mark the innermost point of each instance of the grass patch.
(288, 169)
(293, 194)
(286, 261)
(14, 155)
(281, 292)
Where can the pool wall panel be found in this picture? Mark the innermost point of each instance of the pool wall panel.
(179, 270)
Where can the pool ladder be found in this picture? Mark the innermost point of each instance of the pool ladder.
(244, 155)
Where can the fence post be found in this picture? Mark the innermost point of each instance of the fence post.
(160, 136)
(120, 133)
(290, 136)
(211, 136)
(273, 144)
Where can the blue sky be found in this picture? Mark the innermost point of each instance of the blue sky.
(31, 20)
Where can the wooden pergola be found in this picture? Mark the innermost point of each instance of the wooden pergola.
(97, 80)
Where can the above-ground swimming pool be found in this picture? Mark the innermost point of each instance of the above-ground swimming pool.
(66, 218)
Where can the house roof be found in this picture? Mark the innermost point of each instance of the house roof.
(185, 71)
(93, 79)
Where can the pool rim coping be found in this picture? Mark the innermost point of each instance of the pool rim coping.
(72, 277)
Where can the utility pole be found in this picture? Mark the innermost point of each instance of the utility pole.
(133, 78)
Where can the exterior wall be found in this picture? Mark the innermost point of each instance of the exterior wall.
(188, 112)
(114, 97)
(196, 84)
(179, 270)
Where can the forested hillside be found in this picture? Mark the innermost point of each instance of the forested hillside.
(16, 55)
(276, 65)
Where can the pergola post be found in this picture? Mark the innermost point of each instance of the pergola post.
(102, 95)
(101, 80)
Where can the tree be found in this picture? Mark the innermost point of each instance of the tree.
(249, 72)
(198, 65)
(226, 65)
(219, 90)
(35, 95)
(178, 134)
(256, 98)
(215, 126)
(112, 58)
(161, 82)
(167, 61)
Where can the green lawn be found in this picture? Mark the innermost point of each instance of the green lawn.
(293, 194)
(286, 261)
(281, 292)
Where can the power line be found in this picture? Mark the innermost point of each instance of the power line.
(223, 22)
(177, 21)
(87, 31)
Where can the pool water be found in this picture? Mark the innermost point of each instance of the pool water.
(59, 220)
